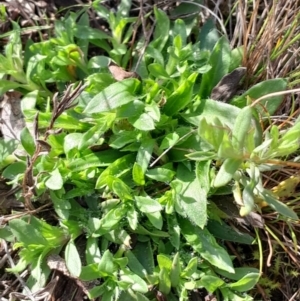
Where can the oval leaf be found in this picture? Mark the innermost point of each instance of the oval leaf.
(27, 141)
(147, 204)
(114, 96)
(241, 127)
(72, 258)
(226, 172)
(55, 182)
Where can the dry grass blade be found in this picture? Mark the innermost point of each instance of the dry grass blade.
(269, 33)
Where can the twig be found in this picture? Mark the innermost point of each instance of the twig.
(66, 103)
(270, 251)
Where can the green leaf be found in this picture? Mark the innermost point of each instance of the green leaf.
(227, 233)
(211, 283)
(61, 206)
(241, 128)
(175, 271)
(6, 233)
(26, 233)
(92, 136)
(114, 96)
(138, 284)
(238, 274)
(169, 141)
(237, 55)
(162, 27)
(138, 174)
(173, 230)
(13, 170)
(144, 122)
(191, 197)
(55, 236)
(39, 273)
(153, 110)
(123, 138)
(220, 61)
(90, 272)
(248, 200)
(92, 251)
(72, 258)
(160, 174)
(106, 264)
(203, 175)
(115, 169)
(144, 254)
(227, 171)
(164, 281)
(194, 200)
(210, 109)
(6, 85)
(86, 32)
(134, 265)
(99, 159)
(132, 217)
(205, 244)
(27, 141)
(164, 262)
(180, 29)
(72, 141)
(270, 104)
(147, 204)
(155, 54)
(246, 283)
(98, 290)
(144, 153)
(278, 206)
(121, 189)
(155, 219)
(202, 156)
(158, 71)
(226, 149)
(181, 97)
(109, 220)
(191, 267)
(208, 36)
(55, 181)
(212, 132)
(229, 295)
(119, 236)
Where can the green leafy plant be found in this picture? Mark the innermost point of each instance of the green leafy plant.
(131, 165)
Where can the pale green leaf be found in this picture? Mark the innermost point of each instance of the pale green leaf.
(175, 271)
(55, 181)
(147, 204)
(106, 264)
(72, 258)
(241, 128)
(227, 171)
(144, 122)
(246, 283)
